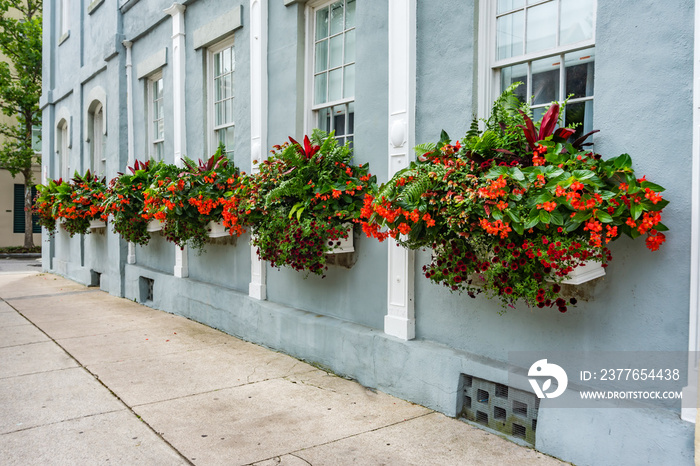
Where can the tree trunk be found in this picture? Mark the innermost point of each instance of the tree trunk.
(28, 201)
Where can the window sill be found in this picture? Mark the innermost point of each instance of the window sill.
(94, 5)
(64, 37)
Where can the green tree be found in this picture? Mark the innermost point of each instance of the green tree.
(20, 89)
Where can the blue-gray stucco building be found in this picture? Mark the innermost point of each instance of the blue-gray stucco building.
(133, 79)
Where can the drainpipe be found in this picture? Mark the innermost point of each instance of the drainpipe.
(258, 117)
(690, 392)
(131, 251)
(177, 11)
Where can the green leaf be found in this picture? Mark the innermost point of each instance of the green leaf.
(581, 217)
(653, 186)
(623, 161)
(636, 210)
(581, 175)
(603, 216)
(557, 217)
(660, 227)
(545, 217)
(531, 223)
(572, 226)
(513, 217)
(518, 227)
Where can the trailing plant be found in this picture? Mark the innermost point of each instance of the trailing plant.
(125, 200)
(513, 216)
(45, 206)
(188, 199)
(301, 202)
(79, 202)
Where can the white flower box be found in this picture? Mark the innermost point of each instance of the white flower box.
(97, 224)
(585, 273)
(347, 244)
(154, 225)
(217, 230)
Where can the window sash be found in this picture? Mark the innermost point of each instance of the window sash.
(156, 117)
(221, 91)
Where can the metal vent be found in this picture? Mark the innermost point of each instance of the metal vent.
(145, 289)
(502, 408)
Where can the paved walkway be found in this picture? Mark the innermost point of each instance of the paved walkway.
(87, 378)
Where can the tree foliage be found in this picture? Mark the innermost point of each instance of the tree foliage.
(20, 89)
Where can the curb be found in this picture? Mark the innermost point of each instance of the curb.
(20, 256)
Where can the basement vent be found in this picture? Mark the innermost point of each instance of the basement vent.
(145, 289)
(502, 408)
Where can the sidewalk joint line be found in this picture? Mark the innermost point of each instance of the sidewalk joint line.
(51, 295)
(96, 377)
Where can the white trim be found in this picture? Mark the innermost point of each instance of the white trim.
(689, 409)
(96, 96)
(257, 287)
(218, 29)
(212, 128)
(400, 320)
(150, 131)
(130, 248)
(152, 64)
(64, 20)
(177, 11)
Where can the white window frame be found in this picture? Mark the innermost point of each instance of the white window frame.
(62, 156)
(98, 160)
(489, 67)
(213, 143)
(64, 18)
(153, 141)
(311, 114)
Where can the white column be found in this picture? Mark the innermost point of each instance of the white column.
(690, 392)
(177, 11)
(400, 320)
(258, 122)
(131, 249)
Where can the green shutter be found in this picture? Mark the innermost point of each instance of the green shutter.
(18, 211)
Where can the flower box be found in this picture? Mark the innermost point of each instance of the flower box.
(585, 273)
(346, 244)
(154, 225)
(217, 230)
(97, 224)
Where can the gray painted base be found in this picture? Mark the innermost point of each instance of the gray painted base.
(419, 371)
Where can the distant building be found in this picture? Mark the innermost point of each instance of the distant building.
(140, 79)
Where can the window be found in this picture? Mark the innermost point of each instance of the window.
(549, 47)
(36, 139)
(97, 156)
(64, 17)
(18, 212)
(156, 117)
(222, 64)
(333, 68)
(62, 168)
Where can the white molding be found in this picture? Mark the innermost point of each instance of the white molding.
(131, 247)
(258, 124)
(224, 25)
(690, 392)
(96, 95)
(177, 11)
(486, 46)
(400, 320)
(152, 64)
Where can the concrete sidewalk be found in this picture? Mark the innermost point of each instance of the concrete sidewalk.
(87, 378)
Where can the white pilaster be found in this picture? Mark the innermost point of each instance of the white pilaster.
(400, 320)
(690, 392)
(258, 123)
(131, 249)
(177, 11)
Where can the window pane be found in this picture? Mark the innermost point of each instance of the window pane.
(351, 118)
(339, 120)
(580, 113)
(349, 81)
(545, 80)
(321, 58)
(334, 84)
(320, 88)
(36, 138)
(336, 51)
(538, 113)
(541, 33)
(229, 111)
(226, 60)
(217, 64)
(350, 14)
(579, 73)
(220, 113)
(324, 119)
(507, 5)
(337, 17)
(218, 89)
(350, 46)
(229, 139)
(513, 74)
(227, 84)
(576, 21)
(158, 151)
(321, 23)
(509, 35)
